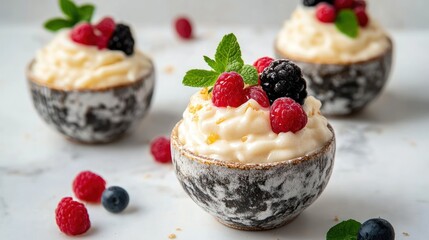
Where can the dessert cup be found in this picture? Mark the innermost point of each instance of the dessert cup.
(256, 196)
(93, 115)
(345, 88)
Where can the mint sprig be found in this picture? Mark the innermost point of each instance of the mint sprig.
(347, 23)
(346, 230)
(227, 59)
(73, 14)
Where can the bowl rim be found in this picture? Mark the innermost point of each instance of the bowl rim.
(175, 143)
(389, 49)
(31, 78)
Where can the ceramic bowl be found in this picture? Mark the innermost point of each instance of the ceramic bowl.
(93, 116)
(345, 88)
(253, 196)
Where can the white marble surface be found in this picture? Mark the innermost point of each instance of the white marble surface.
(381, 167)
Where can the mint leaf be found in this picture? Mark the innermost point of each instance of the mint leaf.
(200, 78)
(249, 74)
(85, 12)
(346, 230)
(347, 23)
(228, 54)
(56, 24)
(69, 9)
(213, 64)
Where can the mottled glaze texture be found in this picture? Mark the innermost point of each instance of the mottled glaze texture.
(93, 116)
(253, 196)
(346, 88)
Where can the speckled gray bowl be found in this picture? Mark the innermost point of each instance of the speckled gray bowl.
(345, 88)
(93, 116)
(253, 196)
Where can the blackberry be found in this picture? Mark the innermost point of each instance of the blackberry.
(283, 78)
(312, 3)
(122, 39)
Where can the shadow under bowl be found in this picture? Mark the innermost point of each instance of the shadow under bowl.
(93, 116)
(257, 196)
(345, 88)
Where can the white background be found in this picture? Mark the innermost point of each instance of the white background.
(391, 13)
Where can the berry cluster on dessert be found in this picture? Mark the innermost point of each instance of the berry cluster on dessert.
(248, 129)
(105, 34)
(335, 11)
(90, 82)
(345, 55)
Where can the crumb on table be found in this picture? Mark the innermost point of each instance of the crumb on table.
(336, 219)
(169, 69)
(406, 234)
(178, 229)
(172, 236)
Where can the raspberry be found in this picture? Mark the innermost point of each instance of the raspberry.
(362, 17)
(359, 3)
(312, 3)
(106, 26)
(102, 42)
(286, 115)
(84, 34)
(228, 90)
(72, 217)
(262, 63)
(122, 39)
(284, 79)
(160, 149)
(183, 27)
(88, 186)
(105, 30)
(326, 13)
(343, 4)
(258, 94)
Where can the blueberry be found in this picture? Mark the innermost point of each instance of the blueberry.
(115, 199)
(376, 229)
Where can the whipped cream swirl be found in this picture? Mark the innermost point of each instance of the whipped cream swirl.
(244, 134)
(304, 38)
(67, 65)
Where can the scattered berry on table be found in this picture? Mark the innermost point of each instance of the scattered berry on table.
(283, 78)
(105, 29)
(258, 94)
(122, 39)
(229, 90)
(286, 115)
(359, 3)
(115, 199)
(362, 16)
(72, 217)
(312, 3)
(376, 229)
(343, 4)
(84, 34)
(88, 186)
(183, 27)
(326, 13)
(160, 149)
